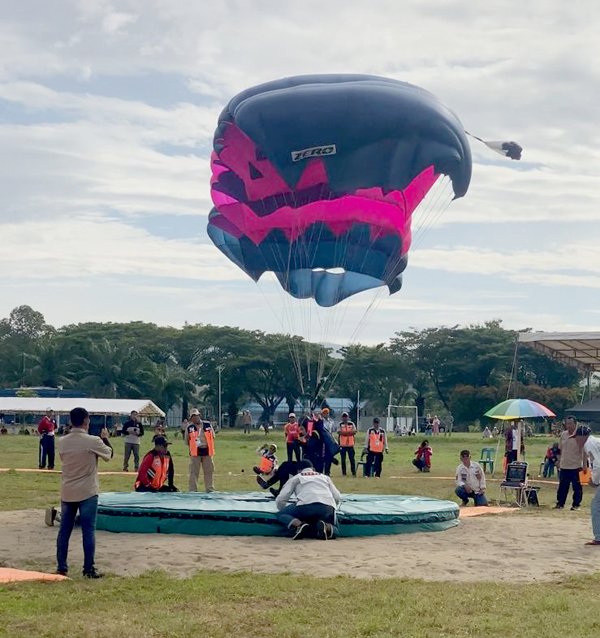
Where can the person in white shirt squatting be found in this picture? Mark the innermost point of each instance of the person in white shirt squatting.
(470, 480)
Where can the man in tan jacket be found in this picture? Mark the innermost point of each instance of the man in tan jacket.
(79, 453)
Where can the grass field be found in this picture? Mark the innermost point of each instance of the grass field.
(248, 605)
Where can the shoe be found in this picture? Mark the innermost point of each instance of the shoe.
(322, 530)
(575, 508)
(125, 469)
(300, 531)
(261, 481)
(256, 469)
(50, 516)
(61, 572)
(558, 507)
(93, 574)
(464, 503)
(274, 492)
(594, 542)
(329, 531)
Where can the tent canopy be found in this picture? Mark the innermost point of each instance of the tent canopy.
(588, 411)
(579, 349)
(37, 405)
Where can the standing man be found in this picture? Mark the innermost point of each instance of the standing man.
(313, 512)
(79, 453)
(247, 421)
(200, 438)
(591, 450)
(470, 481)
(511, 442)
(346, 439)
(375, 445)
(133, 430)
(570, 463)
(47, 431)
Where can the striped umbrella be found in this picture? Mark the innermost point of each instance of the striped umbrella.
(518, 409)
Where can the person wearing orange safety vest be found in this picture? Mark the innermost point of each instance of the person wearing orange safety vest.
(291, 432)
(156, 471)
(200, 438)
(375, 445)
(346, 438)
(268, 459)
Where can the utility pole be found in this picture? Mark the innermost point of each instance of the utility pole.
(220, 370)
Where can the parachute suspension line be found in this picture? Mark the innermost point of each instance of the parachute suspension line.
(435, 205)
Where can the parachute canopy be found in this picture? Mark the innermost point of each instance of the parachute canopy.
(315, 178)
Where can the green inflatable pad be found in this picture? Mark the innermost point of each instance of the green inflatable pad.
(253, 514)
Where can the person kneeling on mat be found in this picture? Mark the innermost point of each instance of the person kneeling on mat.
(313, 513)
(156, 472)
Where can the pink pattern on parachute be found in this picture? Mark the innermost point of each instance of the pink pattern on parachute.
(386, 213)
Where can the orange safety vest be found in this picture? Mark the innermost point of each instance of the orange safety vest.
(376, 441)
(347, 434)
(159, 471)
(266, 465)
(194, 435)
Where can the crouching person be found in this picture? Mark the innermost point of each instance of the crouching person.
(470, 481)
(156, 472)
(313, 513)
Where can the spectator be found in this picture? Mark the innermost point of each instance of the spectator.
(47, 431)
(570, 464)
(246, 421)
(79, 453)
(313, 512)
(133, 430)
(487, 433)
(375, 445)
(423, 457)
(157, 472)
(591, 449)
(470, 481)
(435, 425)
(551, 460)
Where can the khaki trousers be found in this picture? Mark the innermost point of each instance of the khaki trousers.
(208, 469)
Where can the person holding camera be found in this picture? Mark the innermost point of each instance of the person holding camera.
(79, 453)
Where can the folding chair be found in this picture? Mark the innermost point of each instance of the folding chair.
(487, 458)
(514, 487)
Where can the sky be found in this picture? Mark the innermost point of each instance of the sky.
(107, 112)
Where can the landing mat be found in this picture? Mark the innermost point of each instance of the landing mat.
(253, 514)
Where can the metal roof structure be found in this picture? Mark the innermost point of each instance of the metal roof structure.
(62, 405)
(579, 349)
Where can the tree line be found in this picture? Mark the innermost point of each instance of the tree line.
(461, 371)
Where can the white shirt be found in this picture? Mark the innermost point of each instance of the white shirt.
(592, 449)
(472, 477)
(309, 487)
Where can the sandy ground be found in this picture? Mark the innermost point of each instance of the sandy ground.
(518, 547)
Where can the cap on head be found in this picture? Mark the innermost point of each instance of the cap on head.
(345, 414)
(161, 440)
(291, 414)
(195, 412)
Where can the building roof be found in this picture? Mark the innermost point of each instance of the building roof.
(579, 349)
(38, 405)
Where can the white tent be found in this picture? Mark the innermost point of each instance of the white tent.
(37, 405)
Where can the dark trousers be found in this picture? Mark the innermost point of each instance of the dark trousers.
(566, 478)
(282, 474)
(293, 449)
(87, 517)
(374, 463)
(46, 451)
(419, 464)
(351, 457)
(310, 513)
(129, 449)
